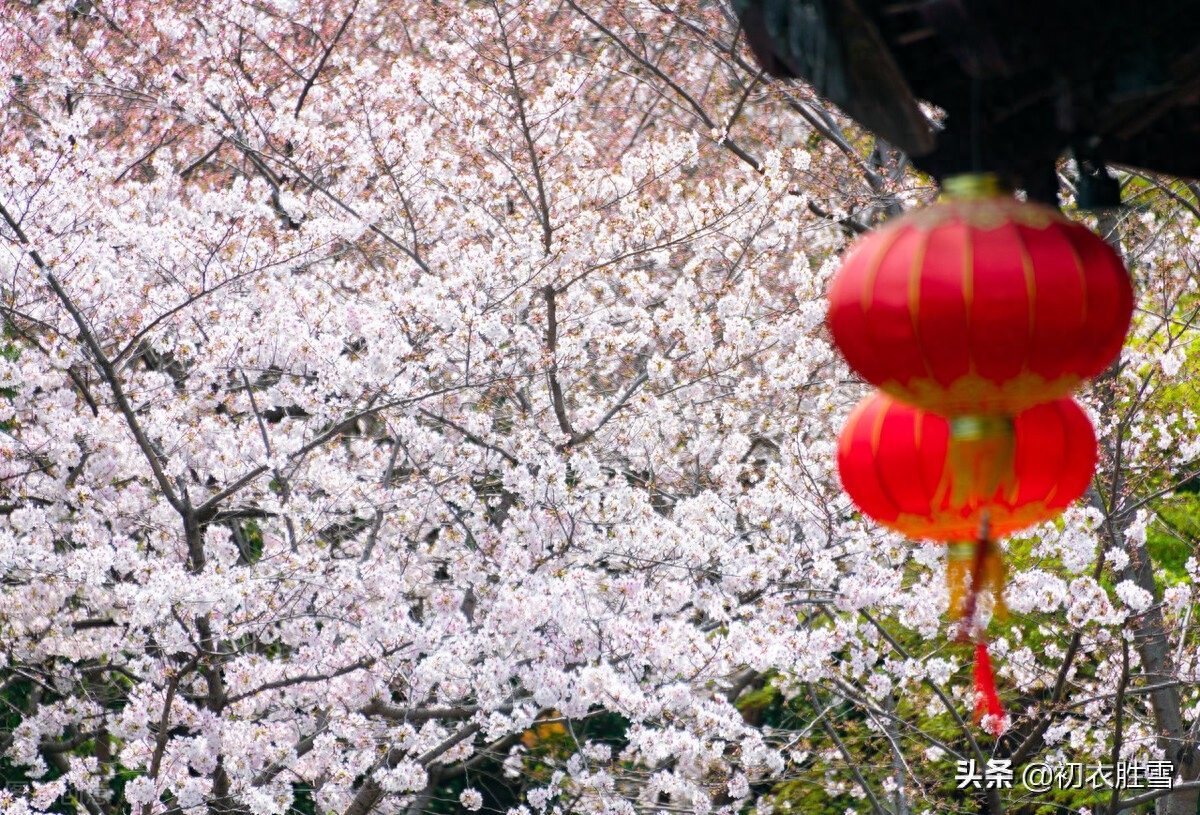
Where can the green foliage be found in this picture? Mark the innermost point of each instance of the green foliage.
(1172, 539)
(302, 800)
(11, 352)
(254, 540)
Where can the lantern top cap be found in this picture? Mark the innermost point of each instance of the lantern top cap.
(974, 185)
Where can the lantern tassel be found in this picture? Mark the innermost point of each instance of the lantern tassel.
(981, 457)
(987, 702)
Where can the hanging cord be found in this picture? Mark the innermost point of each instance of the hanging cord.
(976, 116)
(977, 570)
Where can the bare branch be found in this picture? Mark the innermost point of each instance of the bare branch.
(1119, 722)
(380, 708)
(303, 679)
(114, 383)
(696, 107)
(321, 64)
(543, 208)
(370, 792)
(612, 411)
(556, 392)
(164, 731)
(876, 806)
(1153, 795)
(302, 747)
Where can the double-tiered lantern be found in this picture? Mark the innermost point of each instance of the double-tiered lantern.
(976, 317)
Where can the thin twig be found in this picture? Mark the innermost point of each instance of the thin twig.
(324, 57)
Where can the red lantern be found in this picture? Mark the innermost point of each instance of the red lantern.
(980, 304)
(898, 464)
(916, 472)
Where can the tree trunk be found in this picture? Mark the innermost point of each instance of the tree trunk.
(1148, 628)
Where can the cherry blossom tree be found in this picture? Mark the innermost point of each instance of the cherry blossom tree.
(414, 407)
